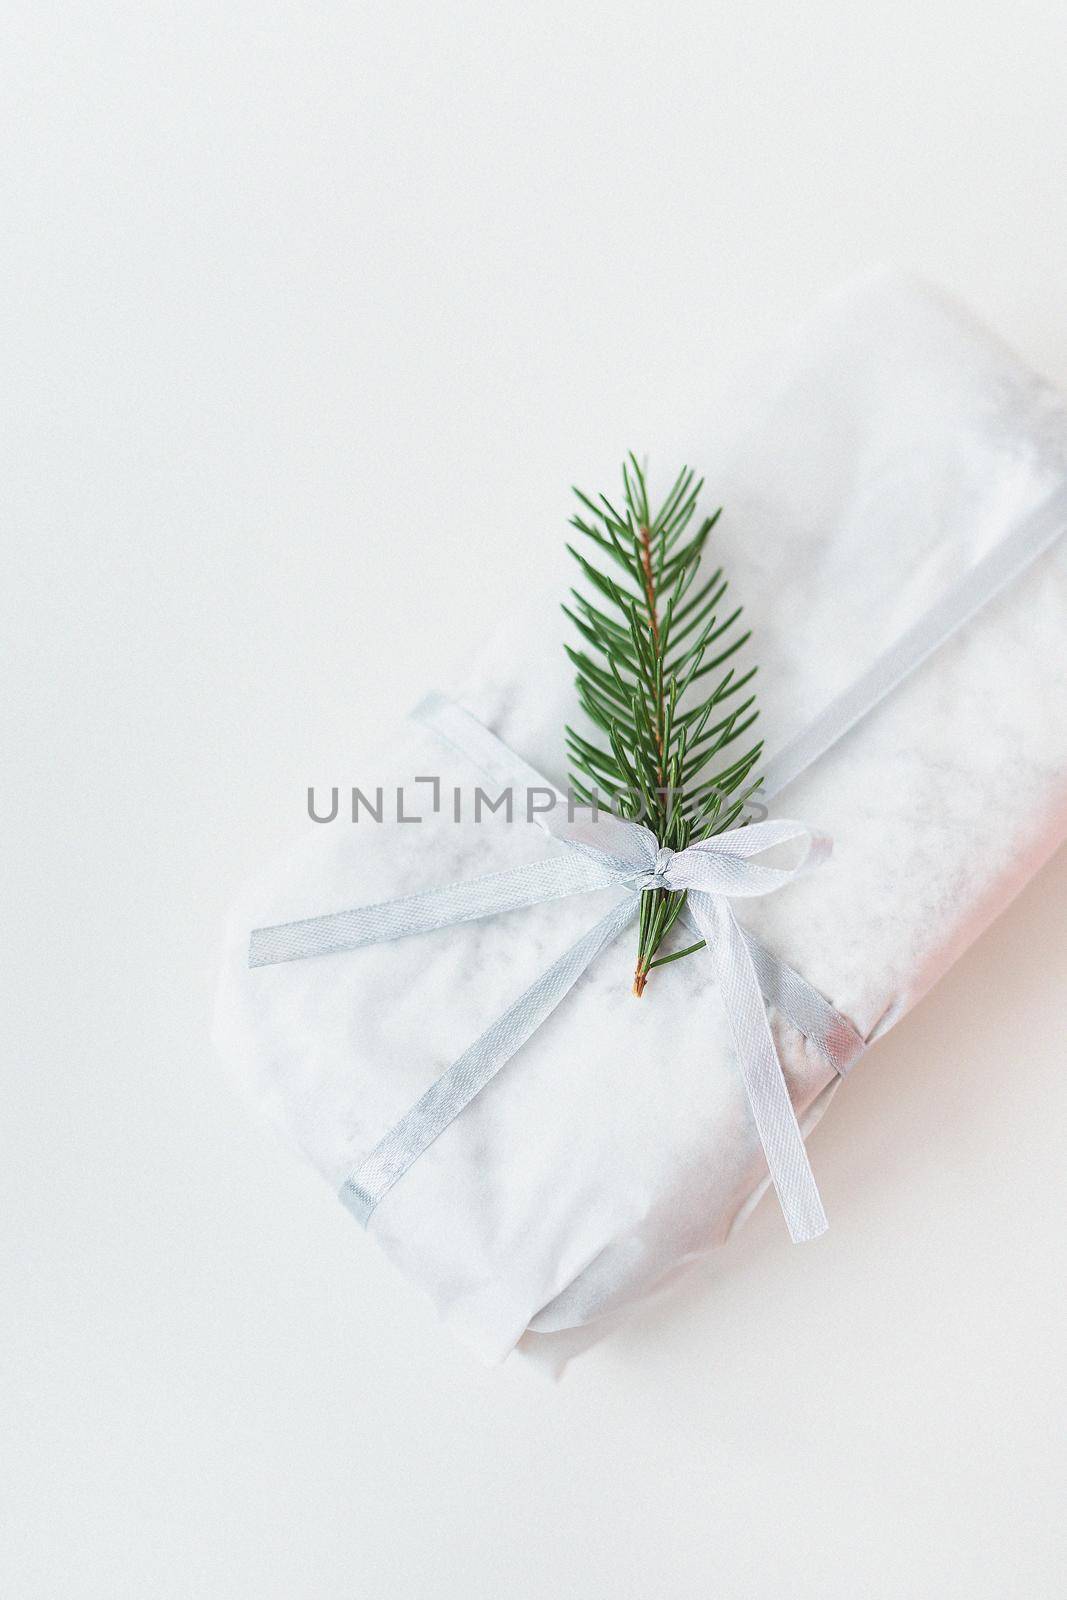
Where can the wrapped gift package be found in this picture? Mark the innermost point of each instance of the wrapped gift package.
(881, 456)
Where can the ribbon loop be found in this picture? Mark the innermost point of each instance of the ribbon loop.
(724, 864)
(659, 877)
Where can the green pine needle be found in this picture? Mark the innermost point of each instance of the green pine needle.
(644, 662)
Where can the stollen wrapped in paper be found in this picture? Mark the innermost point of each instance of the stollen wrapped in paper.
(894, 493)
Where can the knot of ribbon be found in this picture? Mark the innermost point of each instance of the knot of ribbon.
(657, 878)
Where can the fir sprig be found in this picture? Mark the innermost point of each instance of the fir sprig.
(652, 677)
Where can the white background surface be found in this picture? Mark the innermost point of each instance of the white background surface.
(311, 314)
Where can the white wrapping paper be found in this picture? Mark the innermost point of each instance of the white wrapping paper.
(885, 450)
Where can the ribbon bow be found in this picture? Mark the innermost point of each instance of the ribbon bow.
(714, 871)
(603, 852)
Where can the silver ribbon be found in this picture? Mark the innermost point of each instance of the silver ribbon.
(602, 852)
(1036, 533)
(714, 872)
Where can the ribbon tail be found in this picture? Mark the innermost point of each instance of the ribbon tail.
(761, 1071)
